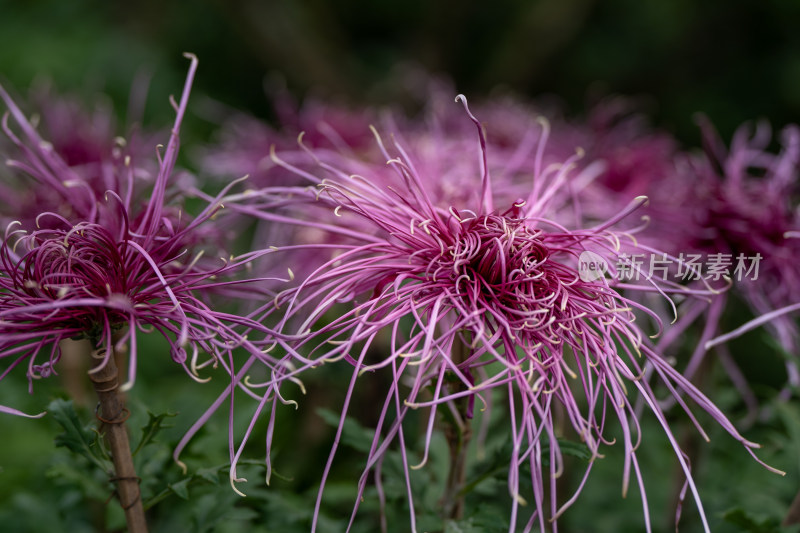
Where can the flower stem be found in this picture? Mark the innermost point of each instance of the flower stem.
(793, 515)
(73, 369)
(458, 433)
(690, 444)
(458, 441)
(112, 413)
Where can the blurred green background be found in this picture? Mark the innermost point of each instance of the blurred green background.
(732, 60)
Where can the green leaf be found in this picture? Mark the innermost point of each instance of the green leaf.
(462, 526)
(568, 447)
(288, 511)
(500, 459)
(70, 473)
(82, 440)
(354, 434)
(489, 519)
(181, 488)
(747, 523)
(498, 462)
(210, 474)
(214, 510)
(149, 431)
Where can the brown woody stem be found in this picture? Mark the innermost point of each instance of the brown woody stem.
(793, 515)
(112, 413)
(458, 433)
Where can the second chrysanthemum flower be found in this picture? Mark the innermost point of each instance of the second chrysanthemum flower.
(460, 297)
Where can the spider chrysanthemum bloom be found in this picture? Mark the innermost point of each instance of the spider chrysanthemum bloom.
(747, 208)
(463, 297)
(243, 141)
(135, 269)
(736, 210)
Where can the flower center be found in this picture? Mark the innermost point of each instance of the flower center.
(744, 223)
(494, 251)
(82, 262)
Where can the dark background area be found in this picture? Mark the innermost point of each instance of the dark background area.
(733, 60)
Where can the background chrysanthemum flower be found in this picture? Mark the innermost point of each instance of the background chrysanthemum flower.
(737, 207)
(636, 160)
(462, 295)
(746, 205)
(624, 156)
(242, 143)
(66, 157)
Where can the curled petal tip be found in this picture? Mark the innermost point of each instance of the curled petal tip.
(234, 480)
(420, 465)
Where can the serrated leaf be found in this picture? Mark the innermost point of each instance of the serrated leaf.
(574, 449)
(149, 431)
(489, 519)
(70, 473)
(181, 488)
(461, 526)
(747, 523)
(209, 474)
(79, 439)
(498, 462)
(211, 512)
(501, 457)
(291, 510)
(354, 434)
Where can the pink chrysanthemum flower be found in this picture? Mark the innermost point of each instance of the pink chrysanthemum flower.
(437, 138)
(243, 141)
(111, 277)
(728, 212)
(742, 211)
(66, 159)
(636, 160)
(637, 156)
(735, 210)
(242, 148)
(471, 294)
(81, 135)
(624, 157)
(749, 199)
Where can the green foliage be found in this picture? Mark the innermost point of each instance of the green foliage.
(83, 440)
(747, 523)
(154, 425)
(354, 435)
(71, 480)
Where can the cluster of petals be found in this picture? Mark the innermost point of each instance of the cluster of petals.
(449, 276)
(117, 268)
(737, 202)
(66, 157)
(748, 196)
